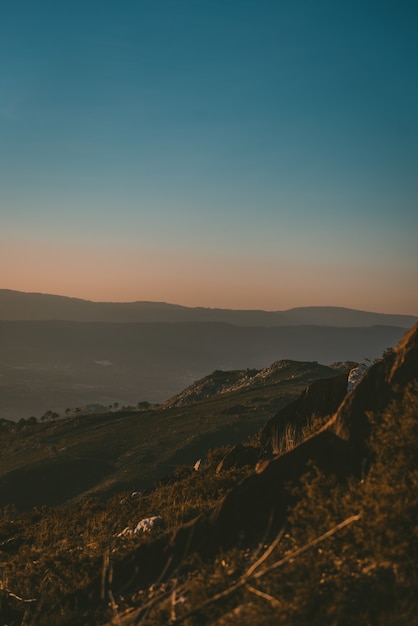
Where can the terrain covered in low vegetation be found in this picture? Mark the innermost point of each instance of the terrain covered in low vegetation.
(325, 532)
(50, 462)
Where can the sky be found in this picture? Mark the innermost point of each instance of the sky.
(258, 154)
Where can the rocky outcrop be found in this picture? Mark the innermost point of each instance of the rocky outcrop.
(355, 375)
(320, 399)
(376, 390)
(221, 382)
(239, 456)
(218, 382)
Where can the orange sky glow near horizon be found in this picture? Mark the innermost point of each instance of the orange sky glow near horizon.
(242, 155)
(95, 274)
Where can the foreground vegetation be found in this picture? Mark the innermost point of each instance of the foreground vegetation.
(50, 551)
(348, 553)
(315, 571)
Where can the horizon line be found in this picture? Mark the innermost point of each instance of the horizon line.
(213, 308)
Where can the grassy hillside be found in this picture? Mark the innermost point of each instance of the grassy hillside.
(47, 463)
(324, 533)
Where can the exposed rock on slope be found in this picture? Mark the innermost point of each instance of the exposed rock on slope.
(221, 382)
(376, 390)
(217, 382)
(355, 376)
(239, 456)
(321, 398)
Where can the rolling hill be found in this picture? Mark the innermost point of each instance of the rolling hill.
(17, 305)
(48, 463)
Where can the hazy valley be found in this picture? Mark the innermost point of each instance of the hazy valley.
(48, 361)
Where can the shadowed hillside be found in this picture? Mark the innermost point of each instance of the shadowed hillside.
(323, 533)
(50, 462)
(338, 449)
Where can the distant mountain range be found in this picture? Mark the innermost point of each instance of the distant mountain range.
(17, 305)
(59, 352)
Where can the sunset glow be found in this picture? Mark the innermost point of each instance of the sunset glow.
(236, 155)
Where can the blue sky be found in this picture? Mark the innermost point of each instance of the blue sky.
(239, 154)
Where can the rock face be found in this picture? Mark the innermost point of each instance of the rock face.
(320, 399)
(355, 376)
(239, 456)
(261, 498)
(376, 390)
(220, 382)
(217, 382)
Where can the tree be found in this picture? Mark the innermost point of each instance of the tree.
(49, 415)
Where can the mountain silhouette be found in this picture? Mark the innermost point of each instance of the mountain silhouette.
(17, 305)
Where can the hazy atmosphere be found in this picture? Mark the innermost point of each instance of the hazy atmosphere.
(208, 312)
(232, 154)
